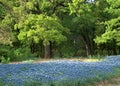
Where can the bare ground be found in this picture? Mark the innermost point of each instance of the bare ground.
(112, 82)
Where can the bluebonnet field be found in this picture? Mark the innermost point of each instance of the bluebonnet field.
(60, 70)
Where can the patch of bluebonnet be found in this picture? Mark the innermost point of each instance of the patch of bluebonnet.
(17, 74)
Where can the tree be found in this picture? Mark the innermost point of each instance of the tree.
(112, 33)
(41, 27)
(84, 23)
(6, 23)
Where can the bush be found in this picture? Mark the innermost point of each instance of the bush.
(15, 54)
(20, 54)
(4, 49)
(5, 60)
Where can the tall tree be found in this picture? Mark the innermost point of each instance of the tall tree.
(41, 27)
(84, 22)
(112, 33)
(39, 17)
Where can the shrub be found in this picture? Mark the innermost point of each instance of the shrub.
(5, 60)
(21, 54)
(15, 54)
(4, 49)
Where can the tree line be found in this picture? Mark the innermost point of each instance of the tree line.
(59, 28)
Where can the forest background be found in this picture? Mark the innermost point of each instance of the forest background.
(59, 28)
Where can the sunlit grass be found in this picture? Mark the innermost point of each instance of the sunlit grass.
(82, 59)
(91, 60)
(28, 61)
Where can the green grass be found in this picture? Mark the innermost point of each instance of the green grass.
(28, 61)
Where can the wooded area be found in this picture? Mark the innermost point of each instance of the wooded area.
(59, 28)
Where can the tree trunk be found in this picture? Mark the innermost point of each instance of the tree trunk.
(51, 49)
(114, 47)
(114, 51)
(33, 47)
(87, 50)
(41, 49)
(47, 52)
(89, 45)
(108, 50)
(118, 49)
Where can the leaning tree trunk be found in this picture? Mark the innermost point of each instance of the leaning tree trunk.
(47, 52)
(89, 45)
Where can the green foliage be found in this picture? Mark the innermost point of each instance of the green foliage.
(84, 23)
(65, 52)
(5, 60)
(113, 8)
(4, 49)
(21, 54)
(15, 54)
(41, 27)
(2, 12)
(112, 25)
(33, 23)
(6, 35)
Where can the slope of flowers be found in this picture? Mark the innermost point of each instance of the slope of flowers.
(17, 74)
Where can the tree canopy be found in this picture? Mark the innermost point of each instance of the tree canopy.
(60, 28)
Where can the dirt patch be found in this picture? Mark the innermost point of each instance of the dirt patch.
(112, 82)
